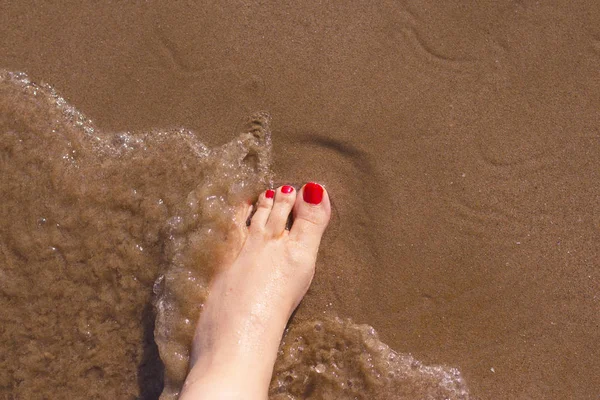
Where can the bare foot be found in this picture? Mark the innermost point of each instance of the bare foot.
(251, 299)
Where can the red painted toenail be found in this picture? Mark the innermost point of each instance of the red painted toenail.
(313, 193)
(287, 189)
(270, 194)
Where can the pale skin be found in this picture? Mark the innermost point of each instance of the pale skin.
(254, 294)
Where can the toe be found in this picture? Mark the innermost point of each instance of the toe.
(285, 197)
(242, 213)
(312, 211)
(236, 234)
(263, 209)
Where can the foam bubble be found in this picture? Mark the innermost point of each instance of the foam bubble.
(335, 358)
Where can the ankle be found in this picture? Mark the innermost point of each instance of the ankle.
(223, 376)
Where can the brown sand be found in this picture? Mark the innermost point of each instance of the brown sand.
(460, 143)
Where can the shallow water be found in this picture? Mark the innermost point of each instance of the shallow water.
(103, 231)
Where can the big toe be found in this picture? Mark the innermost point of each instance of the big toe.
(312, 211)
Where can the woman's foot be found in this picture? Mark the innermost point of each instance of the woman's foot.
(252, 298)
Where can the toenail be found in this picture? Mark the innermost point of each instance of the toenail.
(287, 189)
(313, 193)
(270, 194)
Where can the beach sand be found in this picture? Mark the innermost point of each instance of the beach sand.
(460, 144)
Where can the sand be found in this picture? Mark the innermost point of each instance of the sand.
(460, 144)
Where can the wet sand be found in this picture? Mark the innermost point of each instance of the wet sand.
(460, 145)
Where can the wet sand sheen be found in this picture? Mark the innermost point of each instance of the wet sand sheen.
(460, 143)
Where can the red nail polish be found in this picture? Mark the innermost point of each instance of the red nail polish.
(287, 189)
(313, 193)
(270, 194)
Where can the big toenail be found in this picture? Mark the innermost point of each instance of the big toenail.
(313, 193)
(287, 189)
(270, 194)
